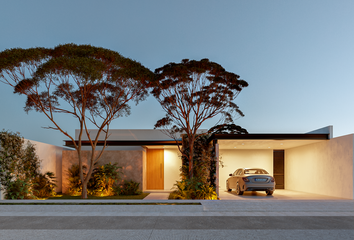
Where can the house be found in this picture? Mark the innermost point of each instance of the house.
(312, 162)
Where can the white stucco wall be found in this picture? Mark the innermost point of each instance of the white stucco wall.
(172, 165)
(323, 168)
(234, 159)
(51, 157)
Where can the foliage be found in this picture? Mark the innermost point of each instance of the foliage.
(102, 182)
(227, 129)
(92, 84)
(193, 189)
(128, 188)
(64, 197)
(192, 92)
(19, 189)
(44, 185)
(75, 186)
(19, 164)
(203, 160)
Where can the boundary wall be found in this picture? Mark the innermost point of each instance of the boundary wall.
(322, 168)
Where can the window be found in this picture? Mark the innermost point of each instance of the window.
(256, 171)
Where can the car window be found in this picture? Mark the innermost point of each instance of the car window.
(255, 171)
(236, 172)
(239, 172)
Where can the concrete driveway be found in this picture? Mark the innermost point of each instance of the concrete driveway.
(279, 194)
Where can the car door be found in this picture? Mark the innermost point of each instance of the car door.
(234, 179)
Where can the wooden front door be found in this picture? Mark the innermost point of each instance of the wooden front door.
(154, 169)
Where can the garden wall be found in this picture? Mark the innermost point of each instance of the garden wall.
(323, 168)
(131, 162)
(51, 160)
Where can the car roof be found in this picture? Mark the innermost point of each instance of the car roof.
(252, 168)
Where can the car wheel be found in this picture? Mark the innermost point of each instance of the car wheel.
(238, 190)
(227, 187)
(269, 192)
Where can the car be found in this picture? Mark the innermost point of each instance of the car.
(250, 179)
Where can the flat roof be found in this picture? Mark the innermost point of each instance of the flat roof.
(273, 136)
(214, 137)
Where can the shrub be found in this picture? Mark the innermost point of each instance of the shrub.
(44, 185)
(20, 175)
(75, 186)
(103, 180)
(19, 189)
(101, 183)
(128, 188)
(18, 162)
(193, 189)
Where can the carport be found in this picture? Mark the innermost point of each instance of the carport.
(312, 162)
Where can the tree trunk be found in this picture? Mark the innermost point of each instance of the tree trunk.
(191, 153)
(191, 168)
(84, 190)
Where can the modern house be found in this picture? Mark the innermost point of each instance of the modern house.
(312, 162)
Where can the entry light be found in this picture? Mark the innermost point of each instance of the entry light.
(243, 144)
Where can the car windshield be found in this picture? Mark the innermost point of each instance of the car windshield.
(255, 171)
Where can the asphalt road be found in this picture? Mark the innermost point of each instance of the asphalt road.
(185, 222)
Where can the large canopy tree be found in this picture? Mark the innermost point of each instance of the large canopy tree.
(92, 84)
(192, 92)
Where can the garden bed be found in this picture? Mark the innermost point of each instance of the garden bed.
(68, 197)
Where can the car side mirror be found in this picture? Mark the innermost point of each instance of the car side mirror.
(230, 174)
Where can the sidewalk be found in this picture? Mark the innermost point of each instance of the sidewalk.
(302, 217)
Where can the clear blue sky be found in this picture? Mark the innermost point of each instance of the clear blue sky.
(297, 56)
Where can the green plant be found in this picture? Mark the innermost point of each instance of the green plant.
(193, 189)
(204, 161)
(44, 185)
(103, 180)
(128, 188)
(19, 189)
(75, 186)
(17, 160)
(19, 165)
(101, 183)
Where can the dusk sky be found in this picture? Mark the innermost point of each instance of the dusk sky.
(297, 56)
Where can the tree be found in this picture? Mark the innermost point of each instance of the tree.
(192, 92)
(18, 163)
(93, 85)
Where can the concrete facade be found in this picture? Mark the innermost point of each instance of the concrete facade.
(322, 168)
(131, 162)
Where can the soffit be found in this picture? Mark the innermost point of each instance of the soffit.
(264, 144)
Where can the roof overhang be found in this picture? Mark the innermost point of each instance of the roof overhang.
(228, 141)
(266, 141)
(125, 143)
(273, 136)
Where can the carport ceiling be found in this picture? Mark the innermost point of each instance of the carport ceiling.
(263, 144)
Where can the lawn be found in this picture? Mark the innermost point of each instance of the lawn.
(66, 197)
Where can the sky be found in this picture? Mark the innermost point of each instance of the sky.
(297, 56)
